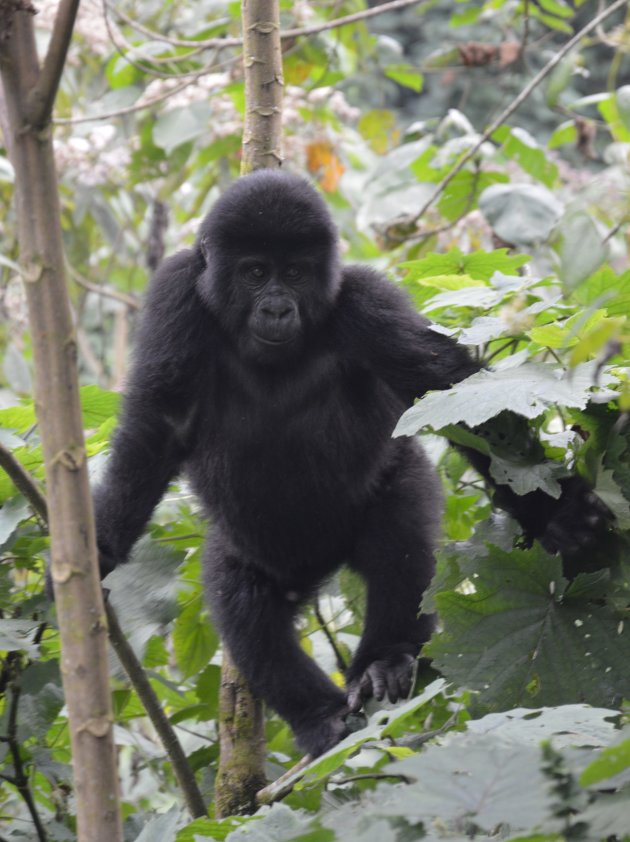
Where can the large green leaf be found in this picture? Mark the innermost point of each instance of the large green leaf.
(476, 779)
(523, 638)
(527, 390)
(522, 214)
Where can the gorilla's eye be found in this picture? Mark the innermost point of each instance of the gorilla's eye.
(257, 271)
(293, 273)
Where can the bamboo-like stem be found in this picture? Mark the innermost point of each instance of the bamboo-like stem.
(27, 485)
(241, 723)
(79, 600)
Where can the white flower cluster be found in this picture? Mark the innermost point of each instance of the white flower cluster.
(91, 158)
(89, 25)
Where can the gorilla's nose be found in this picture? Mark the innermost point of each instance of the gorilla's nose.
(277, 310)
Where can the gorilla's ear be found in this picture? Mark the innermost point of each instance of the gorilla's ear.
(204, 248)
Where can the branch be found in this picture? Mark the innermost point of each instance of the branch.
(341, 661)
(20, 780)
(151, 704)
(185, 777)
(41, 98)
(24, 482)
(288, 34)
(284, 784)
(519, 100)
(107, 292)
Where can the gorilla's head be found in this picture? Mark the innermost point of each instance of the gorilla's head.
(272, 271)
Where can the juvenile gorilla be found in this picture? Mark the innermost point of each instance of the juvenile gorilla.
(273, 378)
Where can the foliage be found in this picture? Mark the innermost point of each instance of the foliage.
(523, 258)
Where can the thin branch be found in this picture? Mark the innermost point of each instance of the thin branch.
(151, 704)
(42, 95)
(24, 482)
(395, 5)
(341, 661)
(372, 776)
(20, 780)
(107, 292)
(141, 106)
(284, 784)
(184, 774)
(519, 100)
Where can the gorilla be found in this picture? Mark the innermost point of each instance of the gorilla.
(273, 377)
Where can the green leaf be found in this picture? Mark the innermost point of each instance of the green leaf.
(623, 104)
(98, 405)
(212, 828)
(519, 641)
(527, 390)
(12, 513)
(610, 762)
(194, 639)
(16, 635)
(180, 125)
(477, 779)
(405, 75)
(564, 134)
(604, 289)
(583, 250)
(522, 214)
(521, 147)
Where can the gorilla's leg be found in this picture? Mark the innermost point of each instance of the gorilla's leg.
(255, 618)
(395, 556)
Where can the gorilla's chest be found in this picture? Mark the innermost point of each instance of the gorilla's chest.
(293, 461)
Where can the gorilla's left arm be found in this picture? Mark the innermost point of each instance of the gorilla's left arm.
(377, 324)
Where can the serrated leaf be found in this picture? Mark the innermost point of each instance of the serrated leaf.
(604, 289)
(564, 134)
(527, 390)
(519, 642)
(474, 778)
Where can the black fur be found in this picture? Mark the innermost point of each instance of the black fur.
(274, 378)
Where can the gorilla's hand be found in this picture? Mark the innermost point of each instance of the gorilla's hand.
(393, 675)
(316, 734)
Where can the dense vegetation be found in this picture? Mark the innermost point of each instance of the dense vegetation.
(515, 243)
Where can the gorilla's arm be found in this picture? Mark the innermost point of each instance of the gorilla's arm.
(378, 325)
(158, 411)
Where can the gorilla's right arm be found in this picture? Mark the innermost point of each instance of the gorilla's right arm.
(158, 410)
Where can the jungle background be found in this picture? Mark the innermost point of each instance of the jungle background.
(516, 243)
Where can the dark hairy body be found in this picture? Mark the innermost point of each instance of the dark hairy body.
(273, 378)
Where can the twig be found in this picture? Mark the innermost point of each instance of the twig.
(20, 780)
(185, 777)
(518, 101)
(107, 292)
(24, 482)
(373, 776)
(284, 784)
(41, 97)
(341, 661)
(287, 34)
(151, 704)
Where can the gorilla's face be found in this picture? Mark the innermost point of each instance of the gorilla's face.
(273, 288)
(271, 266)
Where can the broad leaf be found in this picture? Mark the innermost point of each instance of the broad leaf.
(527, 390)
(520, 639)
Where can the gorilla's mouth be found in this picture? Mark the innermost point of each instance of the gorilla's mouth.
(275, 342)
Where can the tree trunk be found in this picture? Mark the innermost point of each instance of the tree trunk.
(29, 94)
(241, 723)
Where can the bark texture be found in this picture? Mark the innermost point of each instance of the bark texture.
(241, 722)
(80, 609)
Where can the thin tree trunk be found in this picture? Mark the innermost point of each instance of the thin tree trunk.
(29, 93)
(241, 723)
